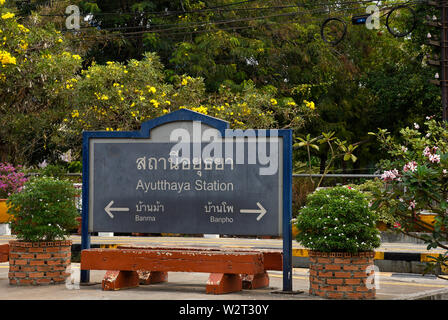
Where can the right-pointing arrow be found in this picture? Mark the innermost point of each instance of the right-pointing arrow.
(262, 211)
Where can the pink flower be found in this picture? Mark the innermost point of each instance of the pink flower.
(410, 166)
(390, 175)
(397, 225)
(412, 205)
(434, 158)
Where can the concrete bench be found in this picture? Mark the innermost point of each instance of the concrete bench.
(129, 266)
(4, 252)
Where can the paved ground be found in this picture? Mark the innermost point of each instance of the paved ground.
(191, 286)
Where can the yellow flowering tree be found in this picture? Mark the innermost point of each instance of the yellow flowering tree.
(120, 96)
(33, 63)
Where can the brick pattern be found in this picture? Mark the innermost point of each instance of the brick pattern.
(38, 263)
(337, 275)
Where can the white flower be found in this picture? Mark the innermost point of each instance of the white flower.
(416, 126)
(434, 158)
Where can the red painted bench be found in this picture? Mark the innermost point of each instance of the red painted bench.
(230, 270)
(4, 252)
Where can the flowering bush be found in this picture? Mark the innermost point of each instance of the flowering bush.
(11, 180)
(44, 211)
(417, 180)
(337, 220)
(35, 60)
(121, 96)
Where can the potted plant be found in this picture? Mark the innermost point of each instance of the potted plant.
(339, 228)
(11, 181)
(42, 215)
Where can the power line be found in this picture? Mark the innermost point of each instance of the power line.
(291, 14)
(204, 24)
(217, 8)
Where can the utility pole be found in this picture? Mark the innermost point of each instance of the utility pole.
(444, 57)
(443, 45)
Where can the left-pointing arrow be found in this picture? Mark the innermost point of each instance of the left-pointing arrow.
(109, 209)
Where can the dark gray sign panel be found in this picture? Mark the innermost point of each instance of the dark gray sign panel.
(136, 187)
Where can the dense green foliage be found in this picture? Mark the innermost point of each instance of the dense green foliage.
(229, 50)
(44, 210)
(337, 220)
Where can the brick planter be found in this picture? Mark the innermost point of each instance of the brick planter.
(38, 263)
(339, 275)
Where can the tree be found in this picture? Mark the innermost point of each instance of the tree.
(34, 65)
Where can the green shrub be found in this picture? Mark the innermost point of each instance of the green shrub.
(44, 210)
(337, 220)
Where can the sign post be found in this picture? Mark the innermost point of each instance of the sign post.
(188, 173)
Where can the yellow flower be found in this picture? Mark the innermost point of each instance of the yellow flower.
(273, 101)
(168, 102)
(155, 103)
(292, 103)
(76, 57)
(309, 104)
(200, 109)
(151, 89)
(75, 113)
(23, 45)
(22, 28)
(165, 111)
(7, 15)
(60, 40)
(2, 2)
(184, 82)
(6, 58)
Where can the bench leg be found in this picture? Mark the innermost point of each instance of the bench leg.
(117, 280)
(255, 281)
(219, 283)
(151, 277)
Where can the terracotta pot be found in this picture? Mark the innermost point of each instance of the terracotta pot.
(39, 263)
(338, 275)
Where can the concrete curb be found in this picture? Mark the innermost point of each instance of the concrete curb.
(437, 294)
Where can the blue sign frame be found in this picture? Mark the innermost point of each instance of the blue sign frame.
(221, 126)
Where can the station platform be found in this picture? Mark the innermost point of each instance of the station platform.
(400, 277)
(403, 255)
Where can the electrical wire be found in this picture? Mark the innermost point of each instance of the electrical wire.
(204, 24)
(217, 8)
(285, 15)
